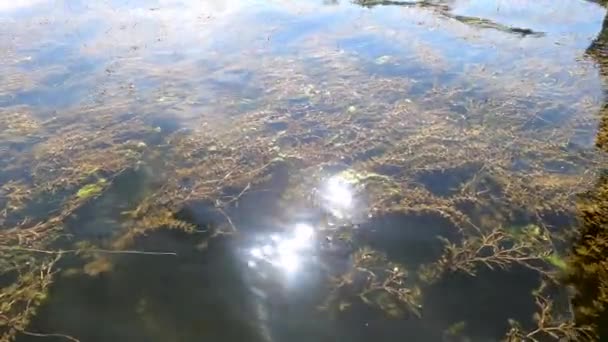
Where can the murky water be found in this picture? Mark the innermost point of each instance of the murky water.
(305, 171)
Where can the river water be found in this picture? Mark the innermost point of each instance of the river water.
(310, 144)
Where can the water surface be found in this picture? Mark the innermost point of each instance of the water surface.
(303, 147)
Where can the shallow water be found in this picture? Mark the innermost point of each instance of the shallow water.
(292, 134)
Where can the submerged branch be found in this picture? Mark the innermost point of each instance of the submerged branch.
(549, 324)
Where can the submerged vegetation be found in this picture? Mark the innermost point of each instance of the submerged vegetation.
(410, 186)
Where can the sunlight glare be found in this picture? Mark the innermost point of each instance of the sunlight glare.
(339, 193)
(267, 250)
(256, 253)
(303, 232)
(289, 261)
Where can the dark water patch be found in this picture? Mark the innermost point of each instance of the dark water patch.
(446, 182)
(497, 296)
(193, 296)
(202, 213)
(412, 239)
(259, 202)
(277, 125)
(363, 323)
(101, 217)
(559, 223)
(12, 170)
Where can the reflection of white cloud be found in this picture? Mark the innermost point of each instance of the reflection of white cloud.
(540, 14)
(170, 10)
(6, 5)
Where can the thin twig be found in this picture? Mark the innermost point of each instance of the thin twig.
(107, 251)
(234, 230)
(237, 197)
(67, 337)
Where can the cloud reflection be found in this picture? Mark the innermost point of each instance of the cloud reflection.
(15, 5)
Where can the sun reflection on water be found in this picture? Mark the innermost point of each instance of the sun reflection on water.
(338, 196)
(287, 252)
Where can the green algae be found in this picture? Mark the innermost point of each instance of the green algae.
(91, 190)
